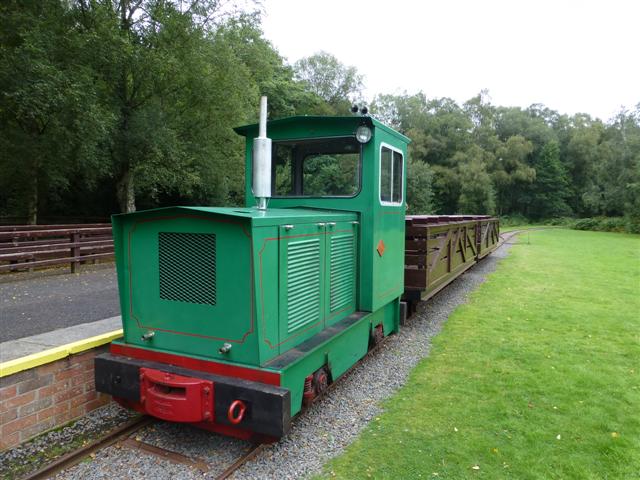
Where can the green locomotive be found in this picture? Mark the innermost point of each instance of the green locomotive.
(234, 318)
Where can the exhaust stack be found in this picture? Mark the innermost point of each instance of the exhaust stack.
(262, 160)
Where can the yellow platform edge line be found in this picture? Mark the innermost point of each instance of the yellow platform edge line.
(51, 355)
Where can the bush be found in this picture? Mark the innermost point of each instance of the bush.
(629, 224)
(603, 224)
(514, 220)
(520, 220)
(633, 223)
(586, 224)
(562, 222)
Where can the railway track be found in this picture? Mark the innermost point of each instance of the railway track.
(77, 455)
(506, 236)
(124, 435)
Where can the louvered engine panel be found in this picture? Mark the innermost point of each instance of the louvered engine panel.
(303, 283)
(342, 276)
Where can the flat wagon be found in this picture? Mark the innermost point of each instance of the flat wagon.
(439, 248)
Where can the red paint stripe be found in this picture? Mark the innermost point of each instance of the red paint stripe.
(270, 378)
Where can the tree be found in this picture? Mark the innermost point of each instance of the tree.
(419, 190)
(476, 190)
(550, 191)
(108, 105)
(402, 112)
(337, 84)
(581, 155)
(510, 171)
(269, 72)
(174, 86)
(613, 187)
(446, 185)
(51, 122)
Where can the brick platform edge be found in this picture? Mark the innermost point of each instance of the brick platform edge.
(36, 400)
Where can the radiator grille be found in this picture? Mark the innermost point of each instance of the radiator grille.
(303, 283)
(187, 263)
(342, 271)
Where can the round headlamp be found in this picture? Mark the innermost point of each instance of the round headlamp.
(363, 134)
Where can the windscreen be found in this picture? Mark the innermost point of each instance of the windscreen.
(327, 167)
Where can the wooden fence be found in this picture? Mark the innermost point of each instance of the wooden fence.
(25, 247)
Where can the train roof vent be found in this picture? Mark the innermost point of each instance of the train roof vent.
(187, 264)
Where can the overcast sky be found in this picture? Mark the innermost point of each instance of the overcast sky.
(573, 56)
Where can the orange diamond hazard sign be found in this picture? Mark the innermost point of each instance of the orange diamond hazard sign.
(380, 248)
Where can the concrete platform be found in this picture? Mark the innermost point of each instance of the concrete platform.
(23, 347)
(42, 301)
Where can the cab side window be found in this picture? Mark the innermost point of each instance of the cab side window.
(391, 166)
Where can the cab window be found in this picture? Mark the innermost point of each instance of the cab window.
(391, 166)
(316, 168)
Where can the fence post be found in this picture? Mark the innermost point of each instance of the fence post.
(75, 251)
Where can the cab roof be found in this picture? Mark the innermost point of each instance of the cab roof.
(319, 120)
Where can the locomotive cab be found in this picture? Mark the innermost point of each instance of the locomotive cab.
(234, 317)
(354, 164)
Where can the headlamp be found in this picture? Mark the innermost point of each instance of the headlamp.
(363, 134)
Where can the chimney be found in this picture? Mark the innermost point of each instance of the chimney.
(262, 160)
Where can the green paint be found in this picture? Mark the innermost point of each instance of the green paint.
(247, 280)
(381, 277)
(280, 276)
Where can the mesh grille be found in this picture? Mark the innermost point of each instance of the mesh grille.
(187, 267)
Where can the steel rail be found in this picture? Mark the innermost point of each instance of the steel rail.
(166, 454)
(122, 435)
(76, 456)
(248, 455)
(504, 237)
(257, 448)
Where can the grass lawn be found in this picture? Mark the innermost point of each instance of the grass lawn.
(538, 376)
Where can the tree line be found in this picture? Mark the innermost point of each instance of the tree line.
(533, 162)
(117, 105)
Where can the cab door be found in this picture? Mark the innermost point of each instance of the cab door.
(341, 272)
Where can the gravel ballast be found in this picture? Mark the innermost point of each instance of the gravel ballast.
(319, 434)
(35, 453)
(335, 422)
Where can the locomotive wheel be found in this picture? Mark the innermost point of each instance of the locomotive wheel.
(377, 335)
(320, 381)
(315, 385)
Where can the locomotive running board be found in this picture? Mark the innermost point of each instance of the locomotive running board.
(282, 361)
